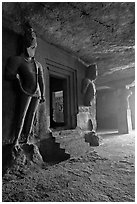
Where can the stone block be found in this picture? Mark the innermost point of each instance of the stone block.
(17, 159)
(92, 138)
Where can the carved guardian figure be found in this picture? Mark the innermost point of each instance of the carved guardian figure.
(29, 74)
(88, 87)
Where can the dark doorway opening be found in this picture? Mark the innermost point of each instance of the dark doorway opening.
(58, 102)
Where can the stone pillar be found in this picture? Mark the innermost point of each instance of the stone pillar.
(132, 106)
(123, 111)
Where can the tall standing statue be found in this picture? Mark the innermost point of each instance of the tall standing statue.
(29, 74)
(88, 87)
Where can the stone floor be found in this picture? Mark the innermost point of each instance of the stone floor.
(115, 146)
(106, 174)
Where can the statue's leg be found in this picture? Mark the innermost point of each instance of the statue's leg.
(23, 106)
(28, 123)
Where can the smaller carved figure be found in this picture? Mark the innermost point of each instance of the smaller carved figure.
(88, 87)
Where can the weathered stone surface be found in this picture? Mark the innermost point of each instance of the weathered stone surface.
(51, 150)
(16, 159)
(92, 138)
(86, 118)
(32, 153)
(73, 142)
(101, 32)
(104, 175)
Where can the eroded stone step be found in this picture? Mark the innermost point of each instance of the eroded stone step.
(51, 151)
(73, 142)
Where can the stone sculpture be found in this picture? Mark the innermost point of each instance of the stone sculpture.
(88, 87)
(29, 74)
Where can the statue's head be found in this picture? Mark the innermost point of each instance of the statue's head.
(30, 41)
(91, 72)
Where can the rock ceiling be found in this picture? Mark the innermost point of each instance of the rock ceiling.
(94, 32)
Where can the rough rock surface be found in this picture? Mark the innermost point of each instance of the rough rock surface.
(100, 32)
(106, 174)
(18, 159)
(92, 138)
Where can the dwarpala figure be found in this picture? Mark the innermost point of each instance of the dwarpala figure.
(29, 74)
(88, 87)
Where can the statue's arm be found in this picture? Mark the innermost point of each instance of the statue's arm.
(84, 86)
(11, 68)
(41, 82)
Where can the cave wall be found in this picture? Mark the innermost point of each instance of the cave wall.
(111, 110)
(44, 51)
(106, 110)
(9, 47)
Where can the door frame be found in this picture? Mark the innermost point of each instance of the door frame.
(70, 75)
(66, 98)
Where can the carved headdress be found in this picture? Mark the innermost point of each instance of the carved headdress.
(29, 35)
(92, 72)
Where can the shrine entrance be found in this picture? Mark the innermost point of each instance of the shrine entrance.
(63, 97)
(59, 104)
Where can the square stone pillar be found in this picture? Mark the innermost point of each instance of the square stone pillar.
(123, 111)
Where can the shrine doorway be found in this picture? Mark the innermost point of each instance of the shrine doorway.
(59, 102)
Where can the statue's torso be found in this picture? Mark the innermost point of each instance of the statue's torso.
(89, 91)
(28, 75)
